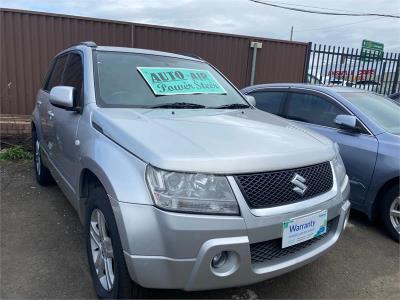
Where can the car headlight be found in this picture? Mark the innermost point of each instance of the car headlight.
(339, 167)
(191, 192)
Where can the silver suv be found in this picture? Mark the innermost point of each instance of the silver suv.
(179, 181)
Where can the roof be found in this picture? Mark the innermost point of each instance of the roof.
(316, 87)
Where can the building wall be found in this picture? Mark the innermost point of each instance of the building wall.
(29, 40)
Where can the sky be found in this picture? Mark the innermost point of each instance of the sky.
(244, 17)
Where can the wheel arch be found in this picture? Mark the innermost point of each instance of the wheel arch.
(35, 120)
(91, 177)
(87, 180)
(35, 127)
(33, 132)
(395, 181)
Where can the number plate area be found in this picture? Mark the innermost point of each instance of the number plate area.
(304, 228)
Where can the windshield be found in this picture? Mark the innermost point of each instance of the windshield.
(144, 80)
(383, 111)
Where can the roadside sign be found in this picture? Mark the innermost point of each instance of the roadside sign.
(371, 50)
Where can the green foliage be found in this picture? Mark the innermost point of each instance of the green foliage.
(15, 153)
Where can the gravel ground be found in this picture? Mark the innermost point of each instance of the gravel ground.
(43, 254)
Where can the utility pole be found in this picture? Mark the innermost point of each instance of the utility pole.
(291, 34)
(255, 46)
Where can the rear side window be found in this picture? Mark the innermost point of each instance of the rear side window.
(56, 74)
(269, 101)
(312, 109)
(73, 75)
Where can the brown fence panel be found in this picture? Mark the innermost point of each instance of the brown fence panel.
(228, 53)
(279, 61)
(29, 41)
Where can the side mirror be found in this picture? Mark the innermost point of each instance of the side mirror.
(250, 99)
(346, 122)
(63, 96)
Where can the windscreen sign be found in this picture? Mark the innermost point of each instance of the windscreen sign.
(180, 81)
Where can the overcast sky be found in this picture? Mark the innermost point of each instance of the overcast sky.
(243, 17)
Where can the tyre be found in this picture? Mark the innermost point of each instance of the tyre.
(391, 212)
(43, 175)
(108, 269)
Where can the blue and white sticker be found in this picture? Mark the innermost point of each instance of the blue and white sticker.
(304, 228)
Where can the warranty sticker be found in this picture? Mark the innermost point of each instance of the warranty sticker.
(304, 228)
(180, 81)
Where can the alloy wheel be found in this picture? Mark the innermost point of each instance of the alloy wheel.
(395, 213)
(102, 251)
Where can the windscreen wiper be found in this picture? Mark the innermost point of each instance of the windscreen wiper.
(231, 106)
(180, 105)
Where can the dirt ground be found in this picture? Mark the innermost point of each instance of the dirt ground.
(43, 254)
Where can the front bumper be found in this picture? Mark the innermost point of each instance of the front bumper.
(174, 251)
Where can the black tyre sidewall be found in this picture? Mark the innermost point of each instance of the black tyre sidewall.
(390, 195)
(123, 285)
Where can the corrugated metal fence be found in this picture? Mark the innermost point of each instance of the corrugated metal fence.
(29, 40)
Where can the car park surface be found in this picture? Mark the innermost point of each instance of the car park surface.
(43, 254)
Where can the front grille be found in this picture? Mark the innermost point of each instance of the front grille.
(275, 188)
(270, 250)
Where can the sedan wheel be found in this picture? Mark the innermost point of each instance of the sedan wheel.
(395, 214)
(102, 250)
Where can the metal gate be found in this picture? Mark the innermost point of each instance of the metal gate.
(372, 71)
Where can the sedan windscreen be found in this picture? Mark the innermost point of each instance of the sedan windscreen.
(147, 80)
(383, 111)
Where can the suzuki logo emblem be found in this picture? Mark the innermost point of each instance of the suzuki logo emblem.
(299, 182)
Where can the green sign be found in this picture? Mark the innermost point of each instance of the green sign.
(180, 81)
(371, 50)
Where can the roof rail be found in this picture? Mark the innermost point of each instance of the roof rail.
(90, 44)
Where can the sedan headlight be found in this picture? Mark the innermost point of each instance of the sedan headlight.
(339, 167)
(191, 192)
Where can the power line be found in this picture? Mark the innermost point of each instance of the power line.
(310, 6)
(336, 26)
(320, 12)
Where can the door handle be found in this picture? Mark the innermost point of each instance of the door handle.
(50, 114)
(39, 102)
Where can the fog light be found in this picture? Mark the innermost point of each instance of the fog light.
(225, 263)
(219, 260)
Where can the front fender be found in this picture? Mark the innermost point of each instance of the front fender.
(120, 172)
